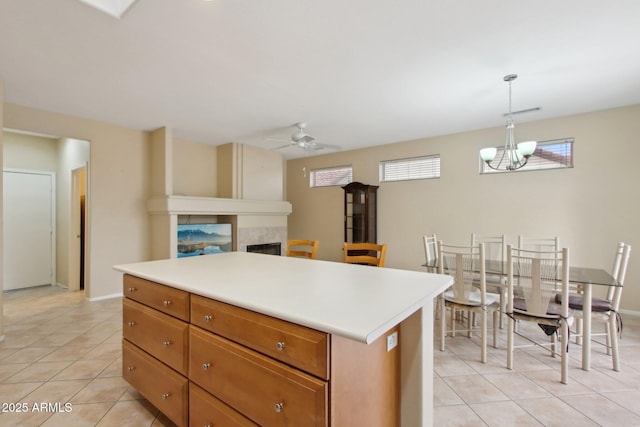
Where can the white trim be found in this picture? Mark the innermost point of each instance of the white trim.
(634, 313)
(118, 295)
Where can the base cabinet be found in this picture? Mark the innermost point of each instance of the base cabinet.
(228, 366)
(162, 386)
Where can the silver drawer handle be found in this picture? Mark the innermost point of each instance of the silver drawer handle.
(166, 343)
(279, 407)
(131, 289)
(280, 345)
(130, 368)
(208, 318)
(131, 323)
(165, 396)
(206, 366)
(166, 303)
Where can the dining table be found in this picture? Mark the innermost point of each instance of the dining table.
(583, 278)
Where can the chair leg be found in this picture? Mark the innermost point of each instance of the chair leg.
(496, 315)
(564, 357)
(453, 321)
(510, 332)
(503, 306)
(613, 338)
(443, 322)
(579, 331)
(483, 339)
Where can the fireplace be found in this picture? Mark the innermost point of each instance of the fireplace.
(265, 248)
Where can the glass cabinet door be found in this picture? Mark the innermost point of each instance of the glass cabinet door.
(359, 213)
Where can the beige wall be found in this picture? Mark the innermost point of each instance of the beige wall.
(1, 206)
(118, 229)
(194, 169)
(30, 152)
(262, 174)
(590, 207)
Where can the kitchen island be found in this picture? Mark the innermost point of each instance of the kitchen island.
(281, 341)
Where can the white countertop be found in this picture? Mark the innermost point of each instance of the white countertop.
(354, 301)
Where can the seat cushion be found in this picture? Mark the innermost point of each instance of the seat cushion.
(575, 303)
(475, 298)
(520, 304)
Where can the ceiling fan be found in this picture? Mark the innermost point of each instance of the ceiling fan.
(303, 140)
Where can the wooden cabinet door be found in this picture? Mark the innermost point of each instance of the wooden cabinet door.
(295, 345)
(162, 336)
(163, 387)
(268, 392)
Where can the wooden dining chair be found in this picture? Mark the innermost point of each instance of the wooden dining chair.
(467, 294)
(533, 279)
(605, 311)
(365, 253)
(303, 248)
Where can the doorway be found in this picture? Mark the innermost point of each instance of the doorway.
(77, 235)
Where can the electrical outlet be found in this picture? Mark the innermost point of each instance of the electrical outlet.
(392, 341)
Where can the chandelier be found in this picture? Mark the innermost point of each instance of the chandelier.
(514, 156)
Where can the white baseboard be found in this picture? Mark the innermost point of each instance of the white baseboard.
(630, 313)
(118, 295)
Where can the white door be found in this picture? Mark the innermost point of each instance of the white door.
(28, 228)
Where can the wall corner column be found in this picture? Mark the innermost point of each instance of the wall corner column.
(1, 214)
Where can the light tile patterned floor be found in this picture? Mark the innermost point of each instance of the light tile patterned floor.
(61, 349)
(469, 393)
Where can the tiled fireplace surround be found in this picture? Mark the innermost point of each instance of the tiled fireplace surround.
(253, 221)
(260, 235)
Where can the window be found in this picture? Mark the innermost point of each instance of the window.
(339, 175)
(424, 167)
(555, 154)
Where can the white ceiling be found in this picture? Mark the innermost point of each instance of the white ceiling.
(359, 72)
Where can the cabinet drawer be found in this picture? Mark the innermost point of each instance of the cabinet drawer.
(164, 298)
(268, 392)
(163, 387)
(206, 410)
(162, 336)
(296, 345)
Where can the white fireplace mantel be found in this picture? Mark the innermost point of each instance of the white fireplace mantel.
(253, 221)
(187, 205)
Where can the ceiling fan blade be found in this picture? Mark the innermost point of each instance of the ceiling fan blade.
(282, 146)
(307, 138)
(329, 146)
(279, 140)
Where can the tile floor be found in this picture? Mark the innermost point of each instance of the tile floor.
(469, 393)
(61, 349)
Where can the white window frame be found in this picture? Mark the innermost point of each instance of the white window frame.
(410, 168)
(541, 159)
(336, 170)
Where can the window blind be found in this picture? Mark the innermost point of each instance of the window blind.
(554, 154)
(340, 175)
(425, 167)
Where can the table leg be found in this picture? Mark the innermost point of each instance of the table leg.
(586, 327)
